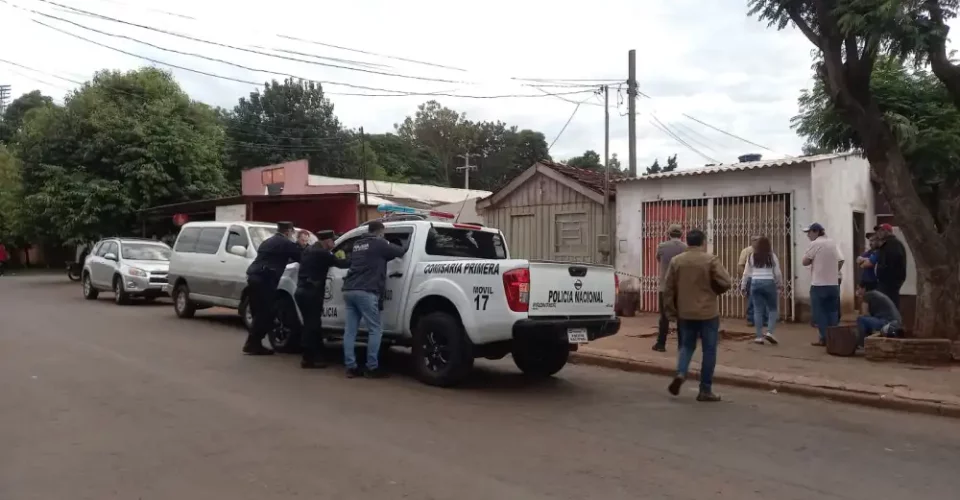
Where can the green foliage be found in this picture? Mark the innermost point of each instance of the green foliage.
(122, 142)
(10, 197)
(286, 121)
(655, 167)
(13, 116)
(589, 160)
(443, 132)
(918, 109)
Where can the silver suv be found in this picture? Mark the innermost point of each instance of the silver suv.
(129, 267)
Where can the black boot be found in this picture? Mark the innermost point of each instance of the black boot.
(310, 362)
(254, 347)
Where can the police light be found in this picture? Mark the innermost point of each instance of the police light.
(386, 208)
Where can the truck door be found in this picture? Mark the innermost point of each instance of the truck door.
(398, 280)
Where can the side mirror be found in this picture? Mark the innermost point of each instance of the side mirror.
(111, 256)
(238, 250)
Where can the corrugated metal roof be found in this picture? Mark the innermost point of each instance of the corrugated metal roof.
(384, 192)
(735, 167)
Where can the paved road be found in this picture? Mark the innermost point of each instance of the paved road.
(106, 402)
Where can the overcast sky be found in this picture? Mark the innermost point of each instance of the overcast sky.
(703, 58)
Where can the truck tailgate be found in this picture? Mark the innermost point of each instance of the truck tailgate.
(571, 289)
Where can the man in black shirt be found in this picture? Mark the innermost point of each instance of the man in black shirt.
(263, 276)
(311, 291)
(891, 265)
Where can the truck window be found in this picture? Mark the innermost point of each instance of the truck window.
(237, 237)
(209, 240)
(187, 241)
(454, 242)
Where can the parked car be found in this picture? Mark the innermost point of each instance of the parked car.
(456, 295)
(209, 263)
(129, 267)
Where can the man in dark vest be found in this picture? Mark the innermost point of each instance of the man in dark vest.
(311, 290)
(263, 276)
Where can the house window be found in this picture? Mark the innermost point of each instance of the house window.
(272, 176)
(569, 233)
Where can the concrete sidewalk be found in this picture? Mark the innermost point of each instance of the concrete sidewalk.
(793, 366)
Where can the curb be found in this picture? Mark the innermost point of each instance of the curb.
(883, 401)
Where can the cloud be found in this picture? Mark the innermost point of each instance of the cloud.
(702, 59)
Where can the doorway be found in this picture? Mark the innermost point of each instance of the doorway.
(859, 246)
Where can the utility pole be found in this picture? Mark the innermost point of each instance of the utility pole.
(632, 109)
(363, 172)
(467, 167)
(607, 216)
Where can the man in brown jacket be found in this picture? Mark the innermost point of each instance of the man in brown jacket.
(694, 280)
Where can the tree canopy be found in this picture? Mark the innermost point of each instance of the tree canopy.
(14, 114)
(863, 98)
(655, 167)
(122, 142)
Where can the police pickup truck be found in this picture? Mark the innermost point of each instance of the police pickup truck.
(456, 295)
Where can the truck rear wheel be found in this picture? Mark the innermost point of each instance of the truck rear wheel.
(540, 360)
(441, 352)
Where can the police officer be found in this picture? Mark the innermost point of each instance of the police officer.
(311, 288)
(363, 289)
(263, 276)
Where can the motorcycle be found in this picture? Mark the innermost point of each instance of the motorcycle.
(73, 271)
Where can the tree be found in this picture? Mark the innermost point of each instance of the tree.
(671, 164)
(122, 142)
(10, 197)
(289, 120)
(589, 160)
(501, 153)
(654, 167)
(443, 132)
(615, 165)
(13, 116)
(854, 39)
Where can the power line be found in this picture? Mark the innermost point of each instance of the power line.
(562, 130)
(663, 128)
(718, 129)
(219, 44)
(396, 93)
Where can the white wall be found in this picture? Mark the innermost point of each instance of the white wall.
(840, 187)
(229, 213)
(793, 179)
(468, 212)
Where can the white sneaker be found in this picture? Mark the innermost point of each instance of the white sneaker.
(770, 338)
(758, 341)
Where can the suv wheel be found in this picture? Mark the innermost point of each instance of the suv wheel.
(246, 314)
(181, 301)
(285, 334)
(540, 359)
(120, 295)
(442, 354)
(89, 292)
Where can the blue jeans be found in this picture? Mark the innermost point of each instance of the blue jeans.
(708, 332)
(866, 325)
(366, 305)
(750, 306)
(764, 299)
(825, 307)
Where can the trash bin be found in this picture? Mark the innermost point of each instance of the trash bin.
(842, 340)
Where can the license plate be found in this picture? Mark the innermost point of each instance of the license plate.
(577, 336)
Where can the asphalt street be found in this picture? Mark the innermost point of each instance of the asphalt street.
(101, 402)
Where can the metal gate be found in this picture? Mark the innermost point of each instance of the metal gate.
(729, 222)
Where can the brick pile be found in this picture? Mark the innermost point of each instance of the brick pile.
(915, 351)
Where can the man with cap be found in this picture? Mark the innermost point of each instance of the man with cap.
(363, 288)
(825, 261)
(891, 265)
(665, 253)
(263, 276)
(311, 290)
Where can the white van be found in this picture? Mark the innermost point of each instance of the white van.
(208, 266)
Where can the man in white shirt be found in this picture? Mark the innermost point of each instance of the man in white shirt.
(825, 261)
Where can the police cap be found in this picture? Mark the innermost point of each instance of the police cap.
(325, 235)
(283, 227)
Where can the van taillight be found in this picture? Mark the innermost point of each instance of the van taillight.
(616, 284)
(516, 285)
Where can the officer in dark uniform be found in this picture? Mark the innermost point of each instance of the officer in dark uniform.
(311, 290)
(263, 276)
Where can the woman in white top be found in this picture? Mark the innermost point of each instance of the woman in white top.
(763, 279)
